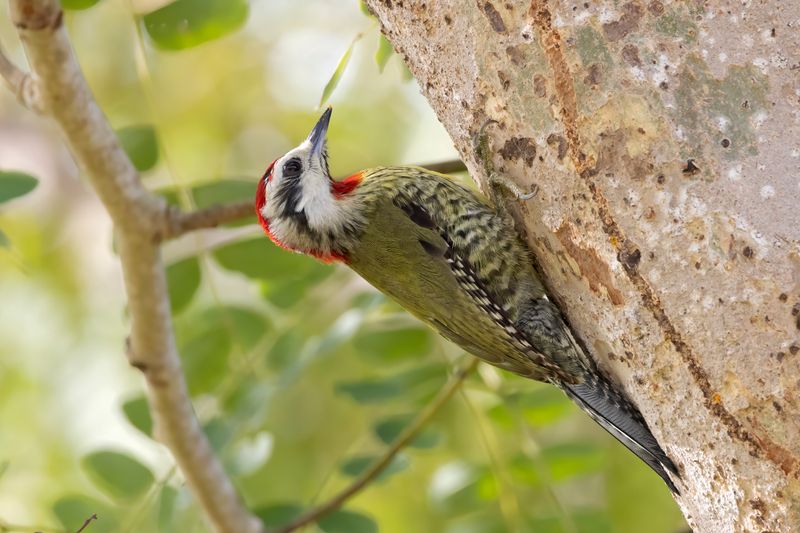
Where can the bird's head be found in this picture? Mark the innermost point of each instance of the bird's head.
(290, 179)
(299, 205)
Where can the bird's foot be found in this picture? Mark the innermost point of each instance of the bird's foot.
(499, 185)
(502, 184)
(482, 147)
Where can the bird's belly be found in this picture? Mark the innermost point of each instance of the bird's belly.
(434, 296)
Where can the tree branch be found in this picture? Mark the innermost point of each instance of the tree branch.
(181, 223)
(408, 434)
(64, 94)
(446, 167)
(87, 522)
(139, 218)
(20, 83)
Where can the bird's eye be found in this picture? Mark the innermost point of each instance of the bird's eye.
(292, 168)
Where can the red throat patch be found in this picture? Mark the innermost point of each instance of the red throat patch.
(340, 189)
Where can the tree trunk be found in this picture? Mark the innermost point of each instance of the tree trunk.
(665, 140)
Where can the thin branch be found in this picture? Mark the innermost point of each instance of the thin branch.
(447, 167)
(408, 434)
(87, 522)
(139, 218)
(20, 83)
(180, 223)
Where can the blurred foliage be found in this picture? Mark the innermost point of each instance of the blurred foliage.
(15, 184)
(338, 72)
(301, 374)
(141, 145)
(186, 23)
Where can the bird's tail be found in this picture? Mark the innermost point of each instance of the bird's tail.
(609, 408)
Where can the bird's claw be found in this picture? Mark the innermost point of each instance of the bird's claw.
(498, 183)
(501, 182)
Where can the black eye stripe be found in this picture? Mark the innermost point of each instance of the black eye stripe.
(292, 168)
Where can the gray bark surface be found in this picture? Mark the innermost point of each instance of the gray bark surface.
(665, 140)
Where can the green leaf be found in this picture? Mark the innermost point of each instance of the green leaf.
(183, 280)
(291, 292)
(394, 344)
(4, 242)
(248, 399)
(259, 258)
(421, 379)
(389, 429)
(337, 74)
(205, 359)
(118, 474)
(355, 466)
(141, 145)
(574, 459)
(246, 326)
(137, 411)
(344, 521)
(15, 184)
(78, 4)
(369, 391)
(73, 510)
(501, 416)
(543, 406)
(186, 23)
(384, 53)
(223, 192)
(274, 516)
(166, 509)
(219, 433)
(286, 349)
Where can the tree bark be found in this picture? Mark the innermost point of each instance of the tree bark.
(665, 141)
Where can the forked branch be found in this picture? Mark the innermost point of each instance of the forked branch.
(139, 217)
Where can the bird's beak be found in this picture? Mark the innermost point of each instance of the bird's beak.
(317, 135)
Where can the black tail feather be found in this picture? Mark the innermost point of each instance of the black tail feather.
(618, 416)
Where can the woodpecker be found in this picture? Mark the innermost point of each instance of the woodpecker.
(453, 260)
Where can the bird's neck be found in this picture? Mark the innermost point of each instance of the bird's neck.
(325, 221)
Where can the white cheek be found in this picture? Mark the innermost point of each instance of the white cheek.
(323, 211)
(269, 209)
(281, 231)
